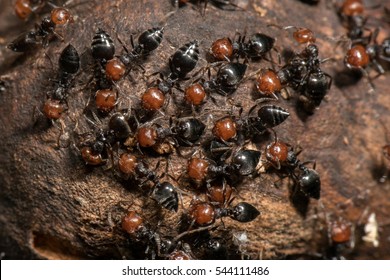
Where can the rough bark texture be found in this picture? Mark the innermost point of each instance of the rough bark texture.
(54, 207)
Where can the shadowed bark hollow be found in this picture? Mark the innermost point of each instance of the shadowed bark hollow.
(53, 206)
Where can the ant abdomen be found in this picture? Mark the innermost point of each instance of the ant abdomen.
(272, 115)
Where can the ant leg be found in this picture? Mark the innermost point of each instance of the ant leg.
(370, 83)
(62, 132)
(121, 42)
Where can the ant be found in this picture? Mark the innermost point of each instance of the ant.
(42, 34)
(69, 64)
(185, 131)
(103, 50)
(148, 41)
(301, 35)
(164, 193)
(245, 162)
(95, 145)
(306, 180)
(182, 62)
(268, 116)
(206, 170)
(303, 73)
(227, 80)
(167, 247)
(256, 47)
(351, 14)
(361, 56)
(204, 213)
(24, 8)
(341, 237)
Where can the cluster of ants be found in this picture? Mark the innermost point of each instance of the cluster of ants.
(225, 155)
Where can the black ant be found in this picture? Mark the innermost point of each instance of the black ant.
(161, 246)
(206, 170)
(94, 146)
(163, 192)
(303, 73)
(204, 213)
(42, 34)
(268, 116)
(257, 46)
(103, 50)
(361, 56)
(227, 80)
(148, 41)
(185, 131)
(69, 64)
(182, 62)
(306, 180)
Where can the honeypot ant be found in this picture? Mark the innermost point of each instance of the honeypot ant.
(42, 34)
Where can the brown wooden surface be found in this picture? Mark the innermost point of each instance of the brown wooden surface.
(53, 206)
